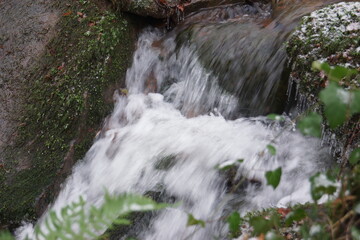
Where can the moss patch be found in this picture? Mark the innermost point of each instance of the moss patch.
(65, 102)
(331, 34)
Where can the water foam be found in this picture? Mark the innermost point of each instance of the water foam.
(146, 128)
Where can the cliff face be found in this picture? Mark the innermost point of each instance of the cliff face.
(60, 63)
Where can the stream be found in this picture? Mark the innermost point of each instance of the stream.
(196, 98)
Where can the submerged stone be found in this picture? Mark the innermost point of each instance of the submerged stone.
(165, 163)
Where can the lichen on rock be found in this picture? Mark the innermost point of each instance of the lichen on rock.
(330, 34)
(161, 9)
(147, 8)
(65, 102)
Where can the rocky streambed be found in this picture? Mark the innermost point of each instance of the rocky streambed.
(62, 61)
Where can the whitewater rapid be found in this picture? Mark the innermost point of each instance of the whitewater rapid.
(184, 119)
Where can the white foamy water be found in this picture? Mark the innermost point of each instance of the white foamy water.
(146, 128)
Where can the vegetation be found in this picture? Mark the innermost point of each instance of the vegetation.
(64, 93)
(339, 216)
(65, 105)
(332, 35)
(75, 221)
(335, 219)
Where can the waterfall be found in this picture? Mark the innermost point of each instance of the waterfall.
(168, 133)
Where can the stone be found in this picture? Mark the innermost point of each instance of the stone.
(166, 8)
(330, 34)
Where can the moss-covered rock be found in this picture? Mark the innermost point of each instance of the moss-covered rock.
(147, 8)
(331, 34)
(170, 8)
(65, 104)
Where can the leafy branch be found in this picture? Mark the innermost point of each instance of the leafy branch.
(77, 221)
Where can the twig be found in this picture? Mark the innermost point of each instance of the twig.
(348, 229)
(330, 224)
(343, 219)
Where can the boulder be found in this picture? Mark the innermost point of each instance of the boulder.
(147, 8)
(167, 8)
(60, 63)
(330, 34)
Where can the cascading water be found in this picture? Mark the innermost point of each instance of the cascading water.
(168, 134)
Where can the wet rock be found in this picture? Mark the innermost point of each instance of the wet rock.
(247, 58)
(330, 34)
(25, 29)
(235, 183)
(244, 45)
(165, 163)
(140, 220)
(166, 8)
(53, 94)
(325, 35)
(147, 8)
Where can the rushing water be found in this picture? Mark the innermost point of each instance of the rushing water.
(171, 130)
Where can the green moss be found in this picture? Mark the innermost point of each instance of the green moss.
(140, 5)
(323, 36)
(65, 102)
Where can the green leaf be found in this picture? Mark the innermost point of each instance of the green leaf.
(338, 72)
(355, 233)
(337, 102)
(224, 167)
(6, 236)
(228, 165)
(121, 221)
(321, 66)
(321, 185)
(193, 221)
(114, 209)
(355, 101)
(354, 156)
(234, 221)
(295, 216)
(275, 117)
(310, 125)
(271, 149)
(273, 177)
(260, 225)
(334, 73)
(333, 172)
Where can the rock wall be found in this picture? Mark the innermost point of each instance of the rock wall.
(61, 62)
(25, 30)
(168, 8)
